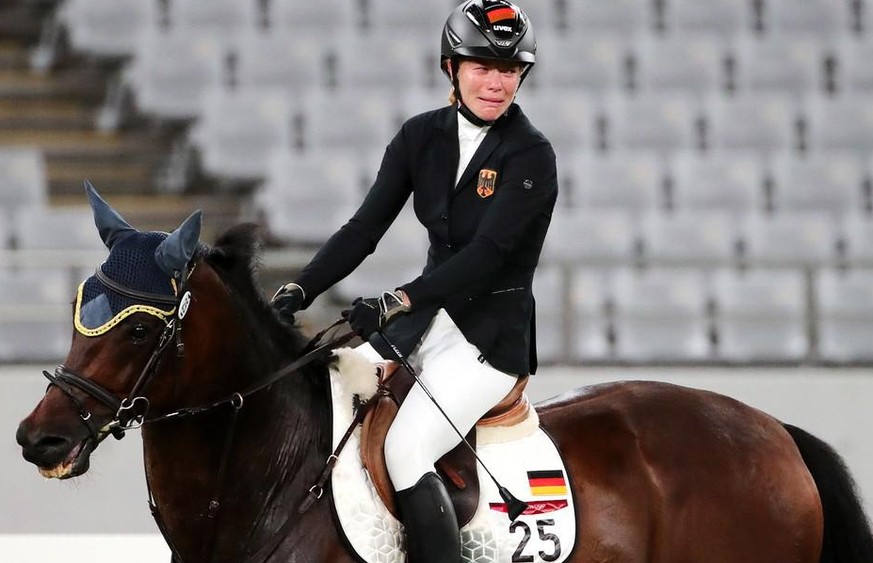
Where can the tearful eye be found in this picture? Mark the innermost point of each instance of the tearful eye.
(139, 332)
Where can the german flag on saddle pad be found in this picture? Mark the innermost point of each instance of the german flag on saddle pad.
(547, 483)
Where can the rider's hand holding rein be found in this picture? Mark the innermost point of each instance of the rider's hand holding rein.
(288, 300)
(369, 315)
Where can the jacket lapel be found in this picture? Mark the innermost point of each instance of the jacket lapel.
(489, 143)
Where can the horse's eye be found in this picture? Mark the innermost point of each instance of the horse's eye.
(139, 332)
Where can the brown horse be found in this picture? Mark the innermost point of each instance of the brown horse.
(659, 473)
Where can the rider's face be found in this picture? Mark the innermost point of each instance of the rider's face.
(488, 87)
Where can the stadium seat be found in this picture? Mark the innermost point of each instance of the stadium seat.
(270, 60)
(762, 123)
(350, 120)
(56, 228)
(23, 170)
(398, 259)
(842, 123)
(552, 316)
(700, 238)
(172, 71)
(600, 62)
(854, 73)
(35, 314)
(831, 182)
(302, 195)
(107, 28)
(732, 181)
(422, 18)
(845, 314)
(717, 18)
(589, 323)
(780, 63)
(225, 20)
(663, 123)
(857, 240)
(601, 236)
(623, 16)
(823, 18)
(694, 64)
(632, 180)
(320, 20)
(790, 238)
(570, 129)
(383, 63)
(760, 315)
(237, 129)
(660, 315)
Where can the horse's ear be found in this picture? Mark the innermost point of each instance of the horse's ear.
(174, 253)
(111, 226)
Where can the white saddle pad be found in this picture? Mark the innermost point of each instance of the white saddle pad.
(526, 462)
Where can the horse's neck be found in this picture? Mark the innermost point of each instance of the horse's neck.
(280, 442)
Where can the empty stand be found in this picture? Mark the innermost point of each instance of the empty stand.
(662, 122)
(553, 330)
(693, 64)
(632, 180)
(845, 314)
(271, 60)
(599, 63)
(173, 71)
(724, 180)
(790, 238)
(565, 117)
(224, 20)
(660, 315)
(238, 129)
(795, 66)
(23, 170)
(55, 228)
(589, 322)
(718, 18)
(857, 239)
(760, 315)
(752, 122)
(107, 28)
(843, 123)
(350, 120)
(302, 195)
(823, 18)
(702, 238)
(623, 16)
(854, 73)
(34, 314)
(596, 236)
(830, 182)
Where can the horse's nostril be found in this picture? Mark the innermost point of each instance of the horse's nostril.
(45, 451)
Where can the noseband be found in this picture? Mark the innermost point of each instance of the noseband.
(130, 412)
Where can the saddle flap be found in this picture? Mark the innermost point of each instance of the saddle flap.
(458, 466)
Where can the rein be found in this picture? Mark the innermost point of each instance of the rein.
(131, 412)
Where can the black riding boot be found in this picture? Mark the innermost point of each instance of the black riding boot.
(432, 534)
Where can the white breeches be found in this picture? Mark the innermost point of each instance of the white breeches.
(465, 387)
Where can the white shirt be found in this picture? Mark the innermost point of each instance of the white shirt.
(469, 138)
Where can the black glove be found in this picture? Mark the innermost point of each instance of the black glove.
(369, 315)
(287, 301)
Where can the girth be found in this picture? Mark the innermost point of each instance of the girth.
(458, 467)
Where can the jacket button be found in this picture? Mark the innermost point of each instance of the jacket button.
(449, 245)
(444, 217)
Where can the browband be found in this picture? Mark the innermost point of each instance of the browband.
(132, 293)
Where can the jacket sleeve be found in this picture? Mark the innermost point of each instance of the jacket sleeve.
(528, 190)
(353, 242)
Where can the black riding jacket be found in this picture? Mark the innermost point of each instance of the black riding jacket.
(486, 233)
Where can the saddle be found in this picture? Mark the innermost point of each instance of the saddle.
(458, 467)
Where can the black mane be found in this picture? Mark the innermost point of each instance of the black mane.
(236, 258)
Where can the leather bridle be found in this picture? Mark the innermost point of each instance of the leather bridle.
(131, 412)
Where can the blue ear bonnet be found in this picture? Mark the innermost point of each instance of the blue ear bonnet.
(132, 265)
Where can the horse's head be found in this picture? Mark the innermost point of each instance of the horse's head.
(128, 320)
